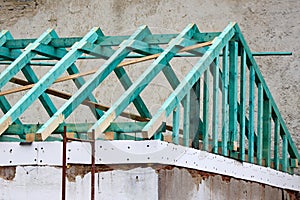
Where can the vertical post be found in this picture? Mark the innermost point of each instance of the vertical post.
(64, 164)
(225, 101)
(186, 120)
(93, 166)
(276, 144)
(260, 94)
(195, 114)
(176, 120)
(205, 110)
(233, 58)
(251, 116)
(215, 105)
(267, 131)
(284, 153)
(242, 105)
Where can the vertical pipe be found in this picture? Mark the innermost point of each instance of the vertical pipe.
(233, 58)
(242, 105)
(260, 93)
(251, 116)
(215, 105)
(276, 144)
(225, 101)
(205, 110)
(64, 164)
(176, 119)
(93, 166)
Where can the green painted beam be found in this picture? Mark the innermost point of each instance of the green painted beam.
(251, 115)
(144, 80)
(276, 144)
(10, 71)
(215, 114)
(195, 121)
(292, 149)
(186, 119)
(267, 110)
(176, 125)
(233, 70)
(242, 105)
(154, 39)
(259, 124)
(45, 81)
(225, 108)
(186, 84)
(4, 104)
(92, 83)
(205, 113)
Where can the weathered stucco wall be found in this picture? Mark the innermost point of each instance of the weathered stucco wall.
(268, 25)
(130, 182)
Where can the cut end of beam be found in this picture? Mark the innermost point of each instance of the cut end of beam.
(105, 123)
(151, 128)
(50, 128)
(5, 125)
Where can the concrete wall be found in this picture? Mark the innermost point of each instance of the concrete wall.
(130, 182)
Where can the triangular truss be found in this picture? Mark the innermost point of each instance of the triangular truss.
(234, 114)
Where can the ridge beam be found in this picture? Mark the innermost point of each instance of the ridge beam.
(45, 81)
(130, 94)
(92, 83)
(186, 84)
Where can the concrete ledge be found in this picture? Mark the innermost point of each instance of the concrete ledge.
(143, 152)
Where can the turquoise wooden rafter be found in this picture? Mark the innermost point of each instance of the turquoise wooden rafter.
(223, 57)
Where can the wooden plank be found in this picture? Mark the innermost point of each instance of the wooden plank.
(251, 115)
(92, 83)
(201, 66)
(284, 162)
(259, 124)
(143, 81)
(215, 113)
(186, 119)
(293, 151)
(242, 109)
(267, 114)
(205, 133)
(276, 144)
(195, 115)
(122, 64)
(176, 124)
(233, 58)
(225, 108)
